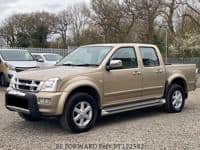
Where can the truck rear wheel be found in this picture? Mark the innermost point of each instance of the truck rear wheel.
(80, 113)
(175, 99)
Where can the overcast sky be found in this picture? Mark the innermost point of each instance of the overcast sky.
(9, 7)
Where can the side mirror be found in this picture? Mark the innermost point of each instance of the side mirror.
(114, 64)
(39, 60)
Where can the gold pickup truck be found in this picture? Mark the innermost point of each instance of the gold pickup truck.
(98, 80)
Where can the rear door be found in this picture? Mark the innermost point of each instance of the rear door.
(153, 73)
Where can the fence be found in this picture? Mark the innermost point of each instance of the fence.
(194, 60)
(64, 52)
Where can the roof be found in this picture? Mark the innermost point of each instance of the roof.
(45, 54)
(120, 44)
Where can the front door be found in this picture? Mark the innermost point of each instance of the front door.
(123, 85)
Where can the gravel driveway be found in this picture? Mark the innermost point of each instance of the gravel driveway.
(142, 129)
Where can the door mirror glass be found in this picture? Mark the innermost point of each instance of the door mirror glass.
(115, 64)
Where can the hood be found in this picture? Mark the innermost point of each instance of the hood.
(61, 72)
(51, 62)
(22, 64)
(46, 64)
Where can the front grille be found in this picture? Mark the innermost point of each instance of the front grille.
(19, 69)
(25, 81)
(26, 85)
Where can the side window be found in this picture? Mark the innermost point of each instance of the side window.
(37, 57)
(127, 56)
(149, 57)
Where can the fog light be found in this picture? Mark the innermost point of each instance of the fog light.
(44, 101)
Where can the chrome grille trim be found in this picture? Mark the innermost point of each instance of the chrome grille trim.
(27, 85)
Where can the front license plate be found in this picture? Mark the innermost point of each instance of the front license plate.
(18, 93)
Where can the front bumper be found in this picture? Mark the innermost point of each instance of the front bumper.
(25, 103)
(32, 103)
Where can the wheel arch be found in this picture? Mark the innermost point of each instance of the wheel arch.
(86, 88)
(179, 80)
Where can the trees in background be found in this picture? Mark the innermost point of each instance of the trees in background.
(110, 21)
(27, 30)
(62, 23)
(186, 41)
(80, 21)
(113, 21)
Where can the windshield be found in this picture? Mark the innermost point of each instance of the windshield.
(16, 55)
(52, 57)
(88, 55)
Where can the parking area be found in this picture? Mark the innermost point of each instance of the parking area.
(142, 129)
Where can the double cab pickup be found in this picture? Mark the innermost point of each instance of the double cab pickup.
(98, 80)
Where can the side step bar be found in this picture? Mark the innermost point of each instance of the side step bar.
(133, 106)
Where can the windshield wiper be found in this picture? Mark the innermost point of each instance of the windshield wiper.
(80, 65)
(87, 65)
(67, 64)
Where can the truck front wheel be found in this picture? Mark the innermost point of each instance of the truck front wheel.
(80, 113)
(175, 99)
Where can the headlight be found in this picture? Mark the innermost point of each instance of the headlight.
(10, 67)
(49, 85)
(12, 82)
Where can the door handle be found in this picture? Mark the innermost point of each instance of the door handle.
(137, 72)
(159, 71)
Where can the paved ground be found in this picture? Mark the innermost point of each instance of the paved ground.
(146, 129)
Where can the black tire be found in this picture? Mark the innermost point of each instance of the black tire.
(28, 117)
(3, 81)
(66, 120)
(169, 107)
